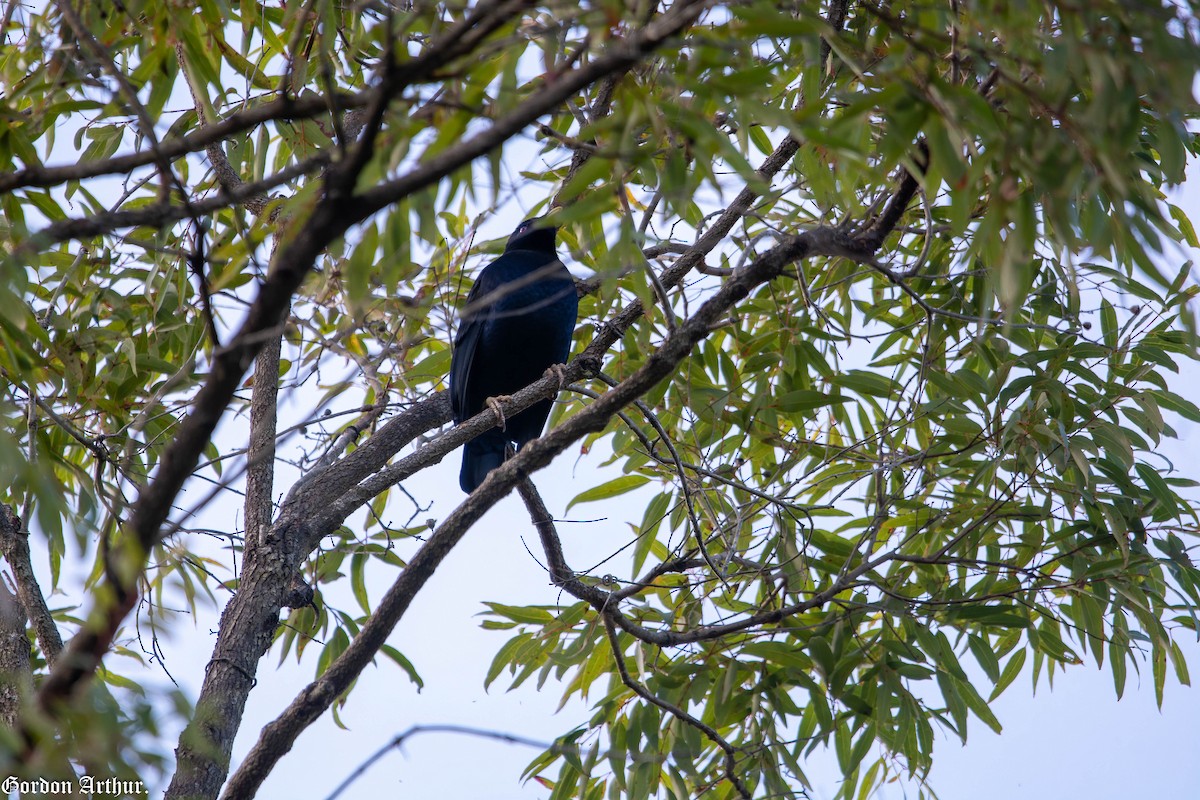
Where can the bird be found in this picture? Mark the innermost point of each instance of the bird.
(518, 323)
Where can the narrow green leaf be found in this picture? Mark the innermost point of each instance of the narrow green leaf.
(647, 532)
(1185, 226)
(1108, 324)
(404, 664)
(1011, 670)
(1158, 489)
(978, 705)
(806, 400)
(613, 488)
(358, 582)
(504, 656)
(1158, 660)
(527, 614)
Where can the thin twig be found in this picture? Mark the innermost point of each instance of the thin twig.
(676, 711)
(398, 741)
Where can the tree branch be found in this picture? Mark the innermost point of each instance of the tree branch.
(278, 736)
(16, 679)
(40, 177)
(400, 739)
(126, 90)
(260, 460)
(675, 711)
(14, 542)
(161, 214)
(250, 611)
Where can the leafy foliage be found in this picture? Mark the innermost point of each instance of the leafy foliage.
(883, 485)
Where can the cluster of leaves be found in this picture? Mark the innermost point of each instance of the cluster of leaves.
(959, 448)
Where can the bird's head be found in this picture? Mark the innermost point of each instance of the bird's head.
(533, 235)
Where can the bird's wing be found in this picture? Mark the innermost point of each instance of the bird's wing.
(466, 341)
(460, 365)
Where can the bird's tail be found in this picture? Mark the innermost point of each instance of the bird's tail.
(480, 456)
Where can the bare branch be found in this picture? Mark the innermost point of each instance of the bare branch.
(161, 214)
(543, 523)
(400, 739)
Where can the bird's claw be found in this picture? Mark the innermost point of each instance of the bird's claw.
(494, 404)
(559, 371)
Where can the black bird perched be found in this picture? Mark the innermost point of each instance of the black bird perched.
(518, 323)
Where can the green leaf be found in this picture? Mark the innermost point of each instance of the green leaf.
(613, 488)
(333, 648)
(504, 657)
(1159, 490)
(647, 532)
(531, 615)
(1185, 226)
(806, 400)
(1011, 670)
(1158, 660)
(1108, 324)
(978, 705)
(404, 664)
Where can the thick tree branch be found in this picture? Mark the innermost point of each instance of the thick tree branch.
(255, 611)
(278, 737)
(16, 679)
(248, 623)
(14, 542)
(260, 460)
